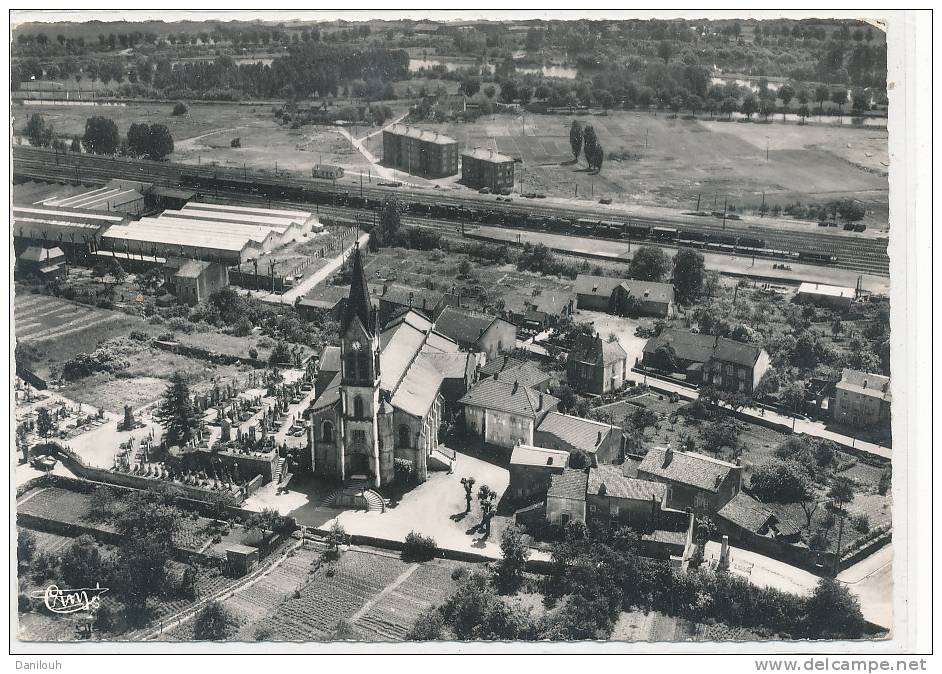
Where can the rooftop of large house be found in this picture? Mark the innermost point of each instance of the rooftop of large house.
(485, 154)
(509, 397)
(40, 254)
(700, 348)
(649, 291)
(528, 455)
(420, 134)
(826, 290)
(608, 480)
(584, 434)
(192, 269)
(526, 373)
(504, 362)
(757, 517)
(463, 325)
(594, 349)
(690, 468)
(569, 484)
(865, 383)
(601, 286)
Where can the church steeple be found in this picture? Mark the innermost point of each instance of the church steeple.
(358, 303)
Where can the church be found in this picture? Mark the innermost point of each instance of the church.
(385, 402)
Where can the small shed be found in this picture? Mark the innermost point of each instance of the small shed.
(241, 558)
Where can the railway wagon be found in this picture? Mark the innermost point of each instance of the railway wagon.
(664, 233)
(751, 242)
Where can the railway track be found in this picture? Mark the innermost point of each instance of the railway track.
(853, 253)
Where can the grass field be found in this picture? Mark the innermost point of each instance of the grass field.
(204, 134)
(657, 159)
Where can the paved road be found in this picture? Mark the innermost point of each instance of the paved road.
(815, 428)
(305, 286)
(871, 579)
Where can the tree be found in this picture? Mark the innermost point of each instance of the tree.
(860, 101)
(839, 96)
(176, 412)
(665, 51)
(101, 135)
(821, 94)
(729, 106)
(803, 112)
(589, 142)
(720, 433)
(687, 275)
(649, 263)
(575, 138)
(597, 156)
(514, 555)
(213, 622)
(786, 92)
(832, 612)
(147, 526)
(160, 145)
(468, 484)
(664, 358)
(470, 86)
(180, 109)
(766, 108)
(76, 145)
(39, 132)
(780, 481)
(25, 546)
(139, 139)
(749, 106)
(44, 423)
(490, 91)
(389, 223)
(82, 565)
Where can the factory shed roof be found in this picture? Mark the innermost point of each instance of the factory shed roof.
(277, 223)
(149, 230)
(249, 210)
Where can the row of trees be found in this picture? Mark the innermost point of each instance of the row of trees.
(102, 137)
(582, 138)
(687, 270)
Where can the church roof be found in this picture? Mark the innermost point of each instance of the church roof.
(358, 304)
(419, 388)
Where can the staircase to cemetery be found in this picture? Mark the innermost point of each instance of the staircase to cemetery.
(356, 494)
(441, 458)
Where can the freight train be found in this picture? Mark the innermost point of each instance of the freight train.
(307, 192)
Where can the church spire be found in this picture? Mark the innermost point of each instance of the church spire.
(358, 303)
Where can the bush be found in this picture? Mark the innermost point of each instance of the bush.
(262, 633)
(180, 109)
(105, 618)
(24, 603)
(428, 627)
(861, 523)
(419, 548)
(213, 623)
(405, 471)
(253, 353)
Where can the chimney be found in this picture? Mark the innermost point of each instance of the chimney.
(668, 456)
(598, 440)
(496, 376)
(410, 299)
(507, 359)
(541, 402)
(424, 302)
(385, 288)
(516, 386)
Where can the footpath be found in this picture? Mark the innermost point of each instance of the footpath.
(769, 417)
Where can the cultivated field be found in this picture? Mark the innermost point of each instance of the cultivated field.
(204, 134)
(661, 160)
(41, 318)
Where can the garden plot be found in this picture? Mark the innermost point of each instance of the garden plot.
(39, 318)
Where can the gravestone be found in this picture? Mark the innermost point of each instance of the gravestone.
(128, 417)
(226, 430)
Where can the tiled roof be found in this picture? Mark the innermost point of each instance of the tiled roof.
(526, 374)
(487, 155)
(593, 349)
(580, 433)
(451, 365)
(420, 134)
(569, 484)
(701, 348)
(618, 486)
(696, 470)
(498, 364)
(39, 254)
(330, 359)
(865, 383)
(669, 537)
(746, 512)
(462, 325)
(528, 455)
(192, 269)
(419, 388)
(330, 395)
(597, 286)
(648, 291)
(508, 397)
(398, 295)
(552, 303)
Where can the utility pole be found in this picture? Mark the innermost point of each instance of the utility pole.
(724, 213)
(698, 202)
(767, 148)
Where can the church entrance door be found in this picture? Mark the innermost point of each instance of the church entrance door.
(359, 464)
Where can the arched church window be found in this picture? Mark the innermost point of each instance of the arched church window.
(327, 432)
(363, 364)
(358, 407)
(404, 436)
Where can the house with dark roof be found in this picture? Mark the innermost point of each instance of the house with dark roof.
(394, 300)
(862, 399)
(613, 497)
(643, 298)
(594, 292)
(719, 361)
(565, 498)
(539, 312)
(525, 372)
(595, 365)
(42, 263)
(475, 331)
(385, 402)
(744, 519)
(327, 368)
(531, 471)
(601, 441)
(505, 413)
(694, 481)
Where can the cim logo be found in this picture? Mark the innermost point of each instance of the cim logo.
(71, 600)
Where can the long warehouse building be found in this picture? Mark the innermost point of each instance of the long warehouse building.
(263, 238)
(163, 238)
(306, 221)
(65, 227)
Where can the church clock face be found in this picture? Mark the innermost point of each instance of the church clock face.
(356, 345)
